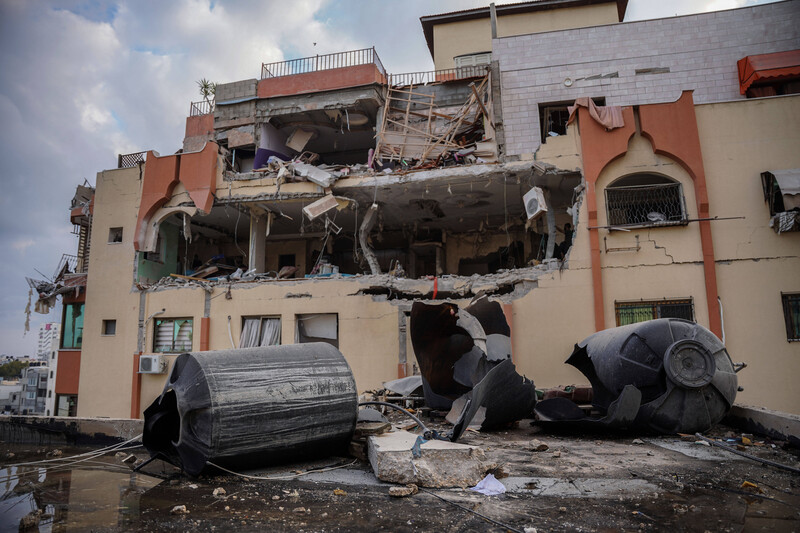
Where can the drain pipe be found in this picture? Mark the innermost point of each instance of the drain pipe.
(136, 389)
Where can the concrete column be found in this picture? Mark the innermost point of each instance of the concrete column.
(258, 242)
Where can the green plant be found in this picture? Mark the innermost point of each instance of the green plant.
(207, 89)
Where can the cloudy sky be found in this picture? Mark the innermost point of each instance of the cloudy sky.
(84, 80)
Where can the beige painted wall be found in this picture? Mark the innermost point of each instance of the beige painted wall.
(368, 329)
(754, 264)
(474, 36)
(107, 361)
(557, 19)
(632, 275)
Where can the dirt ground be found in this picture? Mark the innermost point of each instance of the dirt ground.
(601, 482)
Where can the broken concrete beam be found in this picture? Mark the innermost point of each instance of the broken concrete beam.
(314, 174)
(320, 207)
(363, 233)
(440, 464)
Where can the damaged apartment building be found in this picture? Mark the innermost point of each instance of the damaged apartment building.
(583, 171)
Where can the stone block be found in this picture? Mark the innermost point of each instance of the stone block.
(440, 464)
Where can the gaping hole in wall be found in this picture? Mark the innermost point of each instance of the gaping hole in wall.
(336, 134)
(459, 224)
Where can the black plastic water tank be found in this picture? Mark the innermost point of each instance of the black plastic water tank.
(253, 406)
(683, 371)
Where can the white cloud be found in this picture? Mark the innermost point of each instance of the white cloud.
(21, 245)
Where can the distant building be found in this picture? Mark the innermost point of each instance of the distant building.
(47, 345)
(10, 396)
(34, 388)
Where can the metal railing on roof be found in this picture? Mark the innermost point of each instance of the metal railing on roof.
(203, 107)
(130, 160)
(71, 261)
(318, 63)
(437, 76)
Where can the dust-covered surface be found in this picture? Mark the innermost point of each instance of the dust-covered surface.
(600, 482)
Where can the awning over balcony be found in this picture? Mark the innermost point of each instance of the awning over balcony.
(779, 65)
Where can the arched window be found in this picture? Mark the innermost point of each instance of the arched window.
(645, 200)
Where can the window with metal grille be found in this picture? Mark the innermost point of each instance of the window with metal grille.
(791, 314)
(632, 312)
(173, 335)
(645, 200)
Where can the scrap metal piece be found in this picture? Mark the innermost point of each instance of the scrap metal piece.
(465, 360)
(564, 413)
(686, 377)
(439, 342)
(505, 395)
(495, 326)
(252, 406)
(407, 386)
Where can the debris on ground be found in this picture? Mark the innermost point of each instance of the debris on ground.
(439, 464)
(402, 492)
(489, 486)
(538, 446)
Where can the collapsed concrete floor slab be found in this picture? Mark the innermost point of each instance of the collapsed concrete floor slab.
(588, 483)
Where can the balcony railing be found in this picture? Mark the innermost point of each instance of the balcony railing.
(203, 107)
(130, 160)
(435, 76)
(324, 62)
(66, 259)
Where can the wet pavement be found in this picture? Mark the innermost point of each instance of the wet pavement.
(580, 483)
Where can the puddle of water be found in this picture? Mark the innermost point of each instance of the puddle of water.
(71, 499)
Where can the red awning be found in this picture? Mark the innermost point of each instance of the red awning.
(775, 66)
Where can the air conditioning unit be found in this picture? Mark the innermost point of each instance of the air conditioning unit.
(152, 364)
(534, 203)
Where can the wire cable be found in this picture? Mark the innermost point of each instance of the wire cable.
(279, 478)
(476, 513)
(747, 455)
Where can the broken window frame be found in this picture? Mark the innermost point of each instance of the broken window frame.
(772, 193)
(300, 335)
(791, 315)
(246, 338)
(680, 307)
(72, 326)
(618, 207)
(157, 255)
(176, 344)
(548, 107)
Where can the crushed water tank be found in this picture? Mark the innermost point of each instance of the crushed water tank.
(249, 407)
(686, 377)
